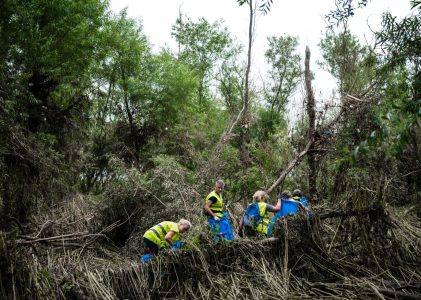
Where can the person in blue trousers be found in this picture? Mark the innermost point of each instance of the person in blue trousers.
(217, 217)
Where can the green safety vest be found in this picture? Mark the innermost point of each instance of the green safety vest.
(218, 207)
(157, 233)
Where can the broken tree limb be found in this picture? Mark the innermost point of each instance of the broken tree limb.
(314, 134)
(290, 167)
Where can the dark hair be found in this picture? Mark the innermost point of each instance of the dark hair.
(286, 194)
(297, 192)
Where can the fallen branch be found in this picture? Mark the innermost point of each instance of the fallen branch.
(64, 237)
(398, 295)
(354, 213)
(291, 165)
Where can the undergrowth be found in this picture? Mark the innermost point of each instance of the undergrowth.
(347, 255)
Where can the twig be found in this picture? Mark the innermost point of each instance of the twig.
(334, 236)
(155, 197)
(48, 223)
(376, 291)
(350, 97)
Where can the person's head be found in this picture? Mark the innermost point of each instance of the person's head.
(297, 193)
(259, 196)
(286, 194)
(219, 186)
(184, 225)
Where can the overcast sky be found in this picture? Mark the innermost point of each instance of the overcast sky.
(301, 18)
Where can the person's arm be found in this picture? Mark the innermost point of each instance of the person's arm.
(241, 225)
(301, 206)
(168, 237)
(207, 208)
(240, 228)
(275, 208)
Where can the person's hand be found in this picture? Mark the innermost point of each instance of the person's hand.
(240, 233)
(302, 207)
(216, 218)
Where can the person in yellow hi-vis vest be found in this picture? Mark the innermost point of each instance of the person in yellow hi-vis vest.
(256, 218)
(218, 219)
(164, 235)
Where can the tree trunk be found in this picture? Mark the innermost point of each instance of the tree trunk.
(133, 130)
(311, 155)
(245, 131)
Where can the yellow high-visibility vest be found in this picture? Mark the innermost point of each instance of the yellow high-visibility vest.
(218, 207)
(157, 233)
(263, 226)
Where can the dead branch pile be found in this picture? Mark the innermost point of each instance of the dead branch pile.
(351, 258)
(354, 253)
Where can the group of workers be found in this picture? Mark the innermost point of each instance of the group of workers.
(167, 234)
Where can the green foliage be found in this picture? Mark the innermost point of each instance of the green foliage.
(172, 92)
(143, 99)
(380, 138)
(344, 10)
(397, 118)
(284, 72)
(85, 102)
(350, 63)
(399, 39)
(231, 81)
(399, 112)
(47, 51)
(264, 5)
(284, 75)
(123, 201)
(202, 47)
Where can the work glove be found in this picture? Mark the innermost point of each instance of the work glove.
(240, 233)
(216, 218)
(145, 258)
